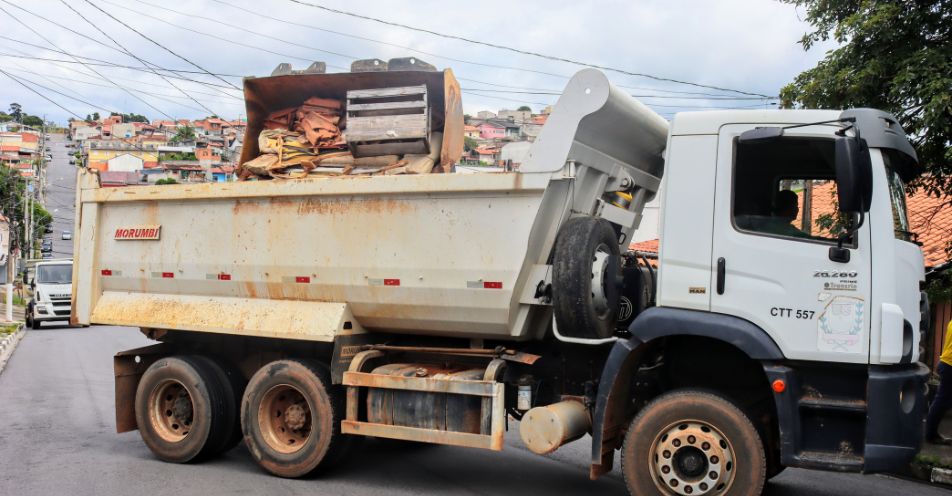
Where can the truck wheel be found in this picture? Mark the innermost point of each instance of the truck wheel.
(184, 409)
(232, 387)
(290, 416)
(585, 278)
(693, 443)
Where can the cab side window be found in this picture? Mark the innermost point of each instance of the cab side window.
(785, 188)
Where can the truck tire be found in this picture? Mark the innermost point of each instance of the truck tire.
(695, 443)
(290, 417)
(232, 388)
(185, 409)
(585, 278)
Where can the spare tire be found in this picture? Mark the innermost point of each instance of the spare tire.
(585, 276)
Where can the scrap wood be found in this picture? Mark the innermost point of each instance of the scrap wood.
(280, 119)
(319, 130)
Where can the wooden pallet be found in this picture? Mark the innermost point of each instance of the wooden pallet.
(388, 121)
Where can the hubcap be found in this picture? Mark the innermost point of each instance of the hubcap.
(171, 410)
(284, 419)
(599, 270)
(692, 458)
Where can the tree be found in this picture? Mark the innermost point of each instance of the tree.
(16, 111)
(183, 134)
(524, 108)
(168, 180)
(469, 143)
(4, 117)
(95, 116)
(32, 120)
(894, 56)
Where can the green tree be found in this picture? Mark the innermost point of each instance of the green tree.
(892, 55)
(95, 116)
(168, 180)
(524, 108)
(469, 143)
(183, 134)
(32, 120)
(4, 117)
(16, 111)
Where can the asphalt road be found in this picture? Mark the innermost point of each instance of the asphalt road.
(57, 434)
(60, 194)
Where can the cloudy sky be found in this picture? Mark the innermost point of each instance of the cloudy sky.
(746, 45)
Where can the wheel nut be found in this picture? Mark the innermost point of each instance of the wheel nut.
(705, 446)
(703, 486)
(691, 439)
(715, 460)
(666, 454)
(688, 489)
(676, 443)
(665, 469)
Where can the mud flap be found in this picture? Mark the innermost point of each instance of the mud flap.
(128, 367)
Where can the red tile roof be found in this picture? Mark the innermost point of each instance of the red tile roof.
(649, 246)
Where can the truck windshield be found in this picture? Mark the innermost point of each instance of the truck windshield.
(54, 274)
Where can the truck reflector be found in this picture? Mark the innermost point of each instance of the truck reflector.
(391, 282)
(106, 272)
(224, 277)
(168, 275)
(492, 284)
(302, 279)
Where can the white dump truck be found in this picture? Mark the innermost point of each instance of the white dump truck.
(778, 327)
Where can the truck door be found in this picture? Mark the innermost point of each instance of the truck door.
(775, 221)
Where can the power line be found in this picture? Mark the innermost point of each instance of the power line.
(159, 44)
(40, 94)
(67, 28)
(253, 47)
(106, 63)
(432, 54)
(242, 28)
(80, 100)
(104, 33)
(85, 65)
(520, 51)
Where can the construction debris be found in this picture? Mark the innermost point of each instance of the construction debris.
(311, 140)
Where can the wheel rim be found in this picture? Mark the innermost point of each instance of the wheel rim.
(284, 419)
(599, 271)
(692, 458)
(171, 410)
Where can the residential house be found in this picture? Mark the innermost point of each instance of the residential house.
(471, 132)
(83, 133)
(115, 179)
(488, 154)
(517, 116)
(211, 126)
(118, 155)
(183, 171)
(490, 130)
(208, 154)
(485, 114)
(122, 130)
(223, 173)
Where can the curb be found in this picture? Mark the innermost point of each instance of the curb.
(8, 344)
(941, 476)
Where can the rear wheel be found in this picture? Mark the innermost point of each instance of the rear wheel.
(185, 411)
(585, 278)
(290, 417)
(693, 443)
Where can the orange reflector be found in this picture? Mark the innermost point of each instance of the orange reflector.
(779, 386)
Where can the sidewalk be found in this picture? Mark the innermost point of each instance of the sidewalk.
(934, 456)
(19, 312)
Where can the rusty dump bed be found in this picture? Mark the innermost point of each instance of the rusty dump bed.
(445, 254)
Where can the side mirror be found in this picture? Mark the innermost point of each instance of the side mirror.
(854, 175)
(32, 283)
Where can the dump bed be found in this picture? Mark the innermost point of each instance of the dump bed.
(446, 254)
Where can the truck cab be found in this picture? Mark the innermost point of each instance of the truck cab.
(52, 291)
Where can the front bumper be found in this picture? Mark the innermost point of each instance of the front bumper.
(895, 421)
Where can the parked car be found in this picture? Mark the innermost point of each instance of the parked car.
(67, 235)
(48, 254)
(72, 161)
(47, 246)
(48, 229)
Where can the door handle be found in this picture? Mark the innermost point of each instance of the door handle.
(721, 272)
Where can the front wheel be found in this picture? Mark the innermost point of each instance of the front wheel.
(693, 443)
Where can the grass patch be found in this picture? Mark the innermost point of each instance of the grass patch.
(930, 461)
(19, 301)
(7, 329)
